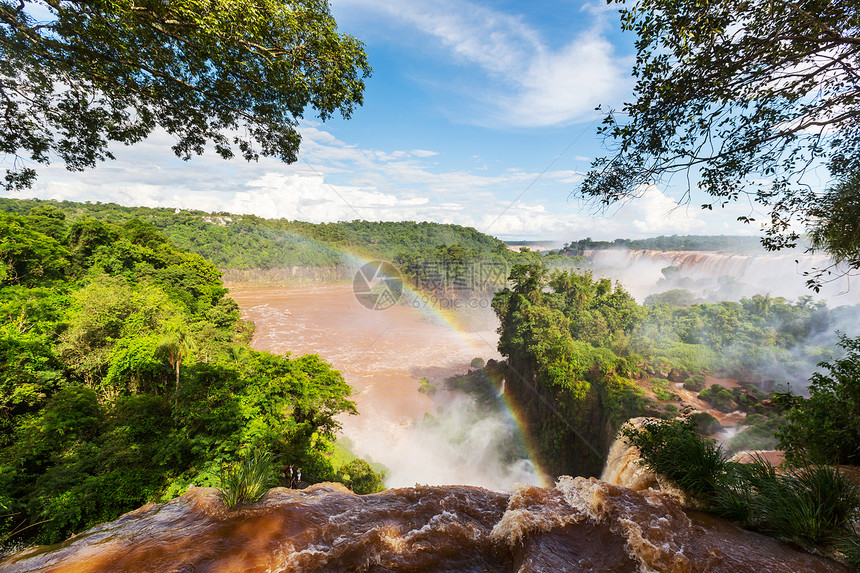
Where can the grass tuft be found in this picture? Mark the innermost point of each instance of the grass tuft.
(814, 506)
(247, 480)
(849, 547)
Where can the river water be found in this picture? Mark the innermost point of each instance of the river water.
(578, 526)
(383, 354)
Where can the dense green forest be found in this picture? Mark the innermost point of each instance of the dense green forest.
(581, 350)
(125, 377)
(251, 242)
(572, 394)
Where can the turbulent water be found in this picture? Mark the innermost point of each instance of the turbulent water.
(580, 525)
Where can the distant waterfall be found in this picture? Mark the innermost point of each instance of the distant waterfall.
(718, 276)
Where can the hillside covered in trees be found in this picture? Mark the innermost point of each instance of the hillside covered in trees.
(125, 377)
(251, 242)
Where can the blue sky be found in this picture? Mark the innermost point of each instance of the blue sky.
(477, 113)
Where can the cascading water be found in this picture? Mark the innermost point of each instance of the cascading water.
(717, 276)
(580, 525)
(383, 354)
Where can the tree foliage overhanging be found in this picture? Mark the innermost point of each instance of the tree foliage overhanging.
(742, 98)
(125, 377)
(236, 74)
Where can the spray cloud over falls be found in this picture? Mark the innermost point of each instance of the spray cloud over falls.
(461, 444)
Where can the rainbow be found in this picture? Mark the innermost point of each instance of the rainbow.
(411, 295)
(424, 303)
(416, 298)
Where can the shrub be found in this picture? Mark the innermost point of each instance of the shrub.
(426, 387)
(825, 427)
(359, 476)
(695, 383)
(629, 366)
(248, 480)
(688, 357)
(719, 398)
(747, 396)
(664, 395)
(706, 423)
(759, 434)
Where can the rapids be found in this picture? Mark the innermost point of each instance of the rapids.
(579, 525)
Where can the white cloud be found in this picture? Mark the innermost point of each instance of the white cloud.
(345, 182)
(495, 41)
(566, 85)
(655, 213)
(530, 83)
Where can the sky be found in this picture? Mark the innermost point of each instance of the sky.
(477, 113)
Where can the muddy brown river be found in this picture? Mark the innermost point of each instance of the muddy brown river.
(383, 354)
(579, 526)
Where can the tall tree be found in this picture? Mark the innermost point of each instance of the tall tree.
(741, 98)
(236, 74)
(175, 346)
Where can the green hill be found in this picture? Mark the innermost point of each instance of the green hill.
(251, 242)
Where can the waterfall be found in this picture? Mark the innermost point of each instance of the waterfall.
(719, 276)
